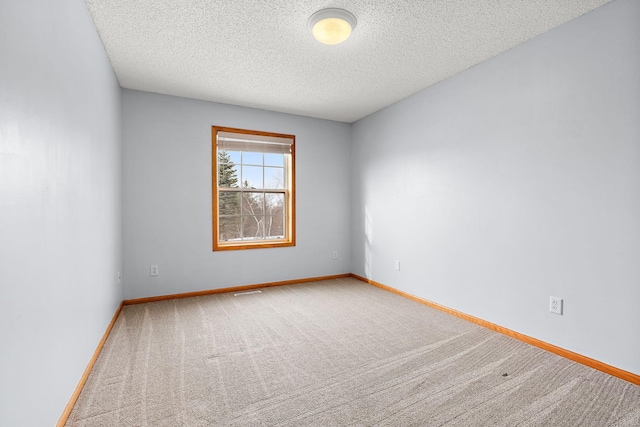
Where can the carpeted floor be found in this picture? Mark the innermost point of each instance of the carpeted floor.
(333, 353)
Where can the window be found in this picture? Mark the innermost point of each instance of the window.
(253, 189)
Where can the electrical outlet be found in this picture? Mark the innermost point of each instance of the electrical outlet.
(396, 265)
(334, 255)
(154, 270)
(555, 305)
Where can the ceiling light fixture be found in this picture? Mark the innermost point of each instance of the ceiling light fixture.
(332, 26)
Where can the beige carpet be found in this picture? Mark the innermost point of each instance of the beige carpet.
(333, 353)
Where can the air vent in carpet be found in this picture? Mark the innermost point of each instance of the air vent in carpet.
(246, 293)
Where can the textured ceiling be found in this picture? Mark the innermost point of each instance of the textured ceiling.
(259, 53)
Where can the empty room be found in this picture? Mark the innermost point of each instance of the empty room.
(389, 213)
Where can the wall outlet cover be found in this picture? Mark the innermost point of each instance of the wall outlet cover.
(555, 305)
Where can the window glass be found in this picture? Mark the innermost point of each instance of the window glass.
(274, 178)
(252, 176)
(271, 159)
(249, 158)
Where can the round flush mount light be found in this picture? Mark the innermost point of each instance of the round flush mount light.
(332, 26)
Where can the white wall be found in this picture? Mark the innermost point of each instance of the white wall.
(514, 181)
(60, 195)
(167, 197)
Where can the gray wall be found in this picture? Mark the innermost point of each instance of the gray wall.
(167, 197)
(514, 181)
(60, 197)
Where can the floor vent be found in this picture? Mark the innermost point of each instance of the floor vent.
(246, 293)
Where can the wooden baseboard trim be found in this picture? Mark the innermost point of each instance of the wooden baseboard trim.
(76, 393)
(231, 289)
(584, 360)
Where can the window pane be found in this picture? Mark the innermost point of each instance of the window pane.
(253, 204)
(229, 203)
(271, 159)
(229, 228)
(234, 156)
(252, 227)
(274, 178)
(274, 227)
(228, 156)
(274, 203)
(227, 175)
(251, 158)
(252, 177)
